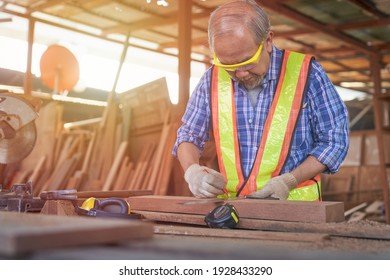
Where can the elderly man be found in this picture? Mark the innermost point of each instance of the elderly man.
(278, 121)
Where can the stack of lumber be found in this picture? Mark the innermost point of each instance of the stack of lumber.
(102, 155)
(277, 220)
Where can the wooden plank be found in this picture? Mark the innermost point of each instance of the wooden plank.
(105, 194)
(115, 166)
(240, 233)
(294, 211)
(121, 178)
(26, 232)
(362, 229)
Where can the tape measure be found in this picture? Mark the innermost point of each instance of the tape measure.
(223, 216)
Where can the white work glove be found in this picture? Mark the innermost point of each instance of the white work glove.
(204, 182)
(278, 187)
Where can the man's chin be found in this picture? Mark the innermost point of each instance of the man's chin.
(251, 84)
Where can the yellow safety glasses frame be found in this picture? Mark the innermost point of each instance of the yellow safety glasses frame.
(242, 66)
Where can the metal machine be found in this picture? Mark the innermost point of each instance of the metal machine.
(17, 128)
(17, 139)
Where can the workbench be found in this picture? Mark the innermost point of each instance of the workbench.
(172, 241)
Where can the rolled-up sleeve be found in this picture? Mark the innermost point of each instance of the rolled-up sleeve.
(195, 126)
(330, 119)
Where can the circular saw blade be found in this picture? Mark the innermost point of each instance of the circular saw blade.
(20, 146)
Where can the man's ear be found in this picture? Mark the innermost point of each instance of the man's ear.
(268, 41)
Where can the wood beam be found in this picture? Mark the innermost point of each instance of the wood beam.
(30, 41)
(295, 211)
(369, 7)
(334, 60)
(240, 233)
(184, 45)
(310, 23)
(149, 23)
(5, 20)
(45, 5)
(362, 24)
(378, 117)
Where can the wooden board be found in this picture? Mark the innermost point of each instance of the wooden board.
(295, 211)
(26, 232)
(240, 233)
(355, 230)
(106, 194)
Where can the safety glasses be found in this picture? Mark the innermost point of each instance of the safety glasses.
(242, 66)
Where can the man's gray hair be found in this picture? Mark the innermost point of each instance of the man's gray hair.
(245, 13)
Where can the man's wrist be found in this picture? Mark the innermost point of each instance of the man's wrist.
(291, 180)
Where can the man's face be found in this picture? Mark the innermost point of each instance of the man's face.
(240, 48)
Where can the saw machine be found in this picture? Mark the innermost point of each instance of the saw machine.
(17, 128)
(17, 139)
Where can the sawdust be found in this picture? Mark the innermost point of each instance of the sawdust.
(370, 246)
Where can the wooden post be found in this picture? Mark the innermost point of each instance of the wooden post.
(184, 69)
(378, 114)
(28, 75)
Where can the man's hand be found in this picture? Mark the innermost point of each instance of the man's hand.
(204, 182)
(278, 187)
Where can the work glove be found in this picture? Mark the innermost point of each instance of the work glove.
(278, 187)
(204, 182)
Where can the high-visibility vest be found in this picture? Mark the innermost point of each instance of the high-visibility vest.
(277, 134)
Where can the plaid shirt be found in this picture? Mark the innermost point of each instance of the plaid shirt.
(322, 128)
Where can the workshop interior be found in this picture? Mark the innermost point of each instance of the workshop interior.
(92, 94)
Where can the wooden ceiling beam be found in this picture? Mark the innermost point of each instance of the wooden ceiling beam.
(342, 26)
(5, 19)
(149, 23)
(357, 69)
(92, 4)
(362, 24)
(200, 41)
(334, 60)
(47, 4)
(312, 24)
(369, 7)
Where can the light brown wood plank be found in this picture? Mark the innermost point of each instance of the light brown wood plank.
(240, 233)
(26, 232)
(294, 211)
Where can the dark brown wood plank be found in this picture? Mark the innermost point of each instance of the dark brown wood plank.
(294, 211)
(240, 233)
(26, 232)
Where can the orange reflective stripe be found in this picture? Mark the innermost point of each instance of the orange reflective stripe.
(214, 110)
(226, 140)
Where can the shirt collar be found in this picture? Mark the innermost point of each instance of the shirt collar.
(274, 67)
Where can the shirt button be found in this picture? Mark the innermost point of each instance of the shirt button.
(250, 121)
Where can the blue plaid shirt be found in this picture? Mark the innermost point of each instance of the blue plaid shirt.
(322, 128)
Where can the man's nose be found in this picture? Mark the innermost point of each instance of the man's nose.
(240, 73)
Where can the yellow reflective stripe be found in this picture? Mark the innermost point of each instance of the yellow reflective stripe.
(225, 122)
(307, 193)
(280, 119)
